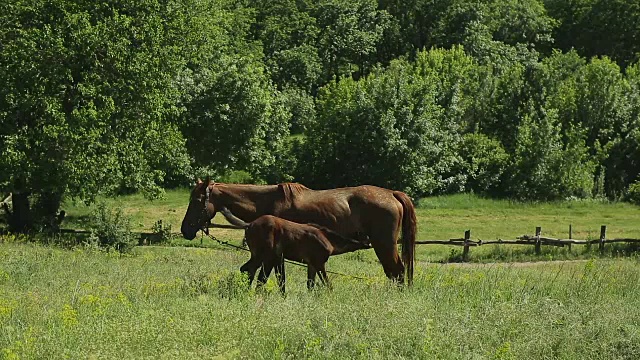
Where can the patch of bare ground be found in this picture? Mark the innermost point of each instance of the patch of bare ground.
(522, 264)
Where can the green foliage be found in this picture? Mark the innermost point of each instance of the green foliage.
(484, 161)
(289, 32)
(479, 25)
(427, 96)
(497, 96)
(387, 129)
(598, 27)
(236, 177)
(88, 90)
(350, 32)
(633, 194)
(239, 121)
(600, 100)
(544, 168)
(111, 229)
(162, 230)
(302, 108)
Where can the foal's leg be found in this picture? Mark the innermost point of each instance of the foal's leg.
(268, 263)
(250, 268)
(280, 275)
(311, 276)
(322, 274)
(264, 273)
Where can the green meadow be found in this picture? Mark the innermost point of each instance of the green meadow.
(176, 301)
(173, 302)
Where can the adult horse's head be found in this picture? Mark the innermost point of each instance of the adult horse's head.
(200, 211)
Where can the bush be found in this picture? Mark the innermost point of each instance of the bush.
(484, 160)
(237, 177)
(633, 195)
(111, 229)
(162, 230)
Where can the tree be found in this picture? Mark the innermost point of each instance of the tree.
(87, 90)
(623, 163)
(601, 102)
(598, 28)
(94, 98)
(484, 160)
(444, 23)
(289, 35)
(238, 121)
(545, 168)
(497, 99)
(350, 32)
(395, 128)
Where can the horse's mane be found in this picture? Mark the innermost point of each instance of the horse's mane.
(291, 190)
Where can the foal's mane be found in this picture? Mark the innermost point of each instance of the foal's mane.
(291, 190)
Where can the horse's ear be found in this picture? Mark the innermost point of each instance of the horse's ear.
(207, 180)
(198, 181)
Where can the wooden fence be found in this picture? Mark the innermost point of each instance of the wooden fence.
(536, 240)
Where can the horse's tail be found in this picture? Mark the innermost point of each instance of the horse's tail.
(232, 219)
(341, 243)
(409, 230)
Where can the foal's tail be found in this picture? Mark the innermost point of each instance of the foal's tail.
(409, 230)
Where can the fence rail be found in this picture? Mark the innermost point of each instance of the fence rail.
(536, 240)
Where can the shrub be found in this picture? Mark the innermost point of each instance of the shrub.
(111, 229)
(633, 195)
(237, 177)
(162, 230)
(484, 160)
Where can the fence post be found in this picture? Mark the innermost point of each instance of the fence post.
(570, 236)
(538, 231)
(465, 251)
(603, 235)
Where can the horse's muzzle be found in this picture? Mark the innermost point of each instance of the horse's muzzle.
(188, 233)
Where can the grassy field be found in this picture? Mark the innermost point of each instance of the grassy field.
(171, 302)
(188, 302)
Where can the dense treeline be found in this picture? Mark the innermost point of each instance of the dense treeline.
(519, 98)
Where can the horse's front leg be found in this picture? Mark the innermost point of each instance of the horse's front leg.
(311, 276)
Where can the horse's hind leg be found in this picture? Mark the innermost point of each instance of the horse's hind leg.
(280, 275)
(322, 274)
(387, 253)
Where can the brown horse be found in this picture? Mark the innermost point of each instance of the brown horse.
(272, 239)
(366, 213)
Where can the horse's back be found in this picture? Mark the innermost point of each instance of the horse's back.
(347, 210)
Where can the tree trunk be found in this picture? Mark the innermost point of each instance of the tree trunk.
(47, 207)
(21, 217)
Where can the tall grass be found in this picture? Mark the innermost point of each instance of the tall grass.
(188, 303)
